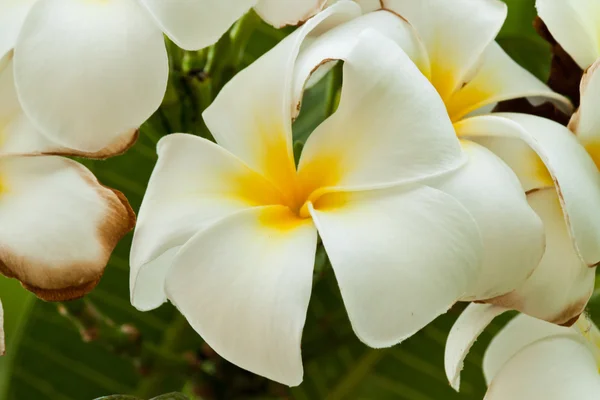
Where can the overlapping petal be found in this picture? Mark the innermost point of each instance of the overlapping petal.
(512, 234)
(575, 24)
(572, 170)
(455, 40)
(280, 13)
(108, 67)
(12, 15)
(194, 183)
(48, 205)
(561, 285)
(244, 285)
(195, 24)
(401, 257)
(585, 123)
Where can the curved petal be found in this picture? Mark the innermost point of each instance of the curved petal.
(512, 233)
(12, 15)
(59, 225)
(194, 183)
(555, 368)
(244, 286)
(20, 137)
(454, 39)
(575, 24)
(586, 121)
(497, 79)
(390, 127)
(401, 257)
(571, 168)
(338, 42)
(251, 116)
(560, 287)
(280, 13)
(465, 331)
(519, 333)
(108, 64)
(195, 24)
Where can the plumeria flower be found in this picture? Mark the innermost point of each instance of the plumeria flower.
(533, 359)
(471, 73)
(228, 231)
(106, 61)
(58, 224)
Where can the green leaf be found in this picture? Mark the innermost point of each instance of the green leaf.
(171, 396)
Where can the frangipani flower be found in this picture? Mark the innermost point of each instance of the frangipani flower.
(58, 224)
(228, 231)
(472, 74)
(533, 359)
(106, 61)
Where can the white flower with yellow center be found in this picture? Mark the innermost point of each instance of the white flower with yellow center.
(228, 231)
(452, 43)
(89, 72)
(533, 359)
(58, 224)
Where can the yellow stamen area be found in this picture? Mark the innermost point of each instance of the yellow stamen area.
(593, 149)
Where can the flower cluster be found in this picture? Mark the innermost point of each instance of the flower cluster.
(421, 193)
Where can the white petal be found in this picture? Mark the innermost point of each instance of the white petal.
(194, 183)
(280, 13)
(454, 39)
(108, 67)
(500, 78)
(401, 258)
(556, 368)
(19, 136)
(390, 127)
(519, 333)
(195, 24)
(337, 43)
(571, 168)
(586, 121)
(465, 331)
(244, 286)
(559, 288)
(575, 24)
(251, 116)
(12, 15)
(59, 225)
(513, 235)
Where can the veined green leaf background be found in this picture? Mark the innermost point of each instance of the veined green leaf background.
(47, 358)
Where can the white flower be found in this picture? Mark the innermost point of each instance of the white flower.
(232, 227)
(88, 73)
(456, 51)
(58, 224)
(532, 359)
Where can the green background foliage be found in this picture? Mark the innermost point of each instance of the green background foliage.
(47, 358)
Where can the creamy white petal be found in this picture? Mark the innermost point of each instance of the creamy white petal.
(575, 24)
(244, 286)
(317, 54)
(19, 136)
(59, 225)
(519, 333)
(251, 116)
(401, 257)
(194, 183)
(586, 121)
(512, 233)
(390, 127)
(455, 40)
(500, 78)
(556, 368)
(570, 167)
(195, 24)
(559, 288)
(88, 71)
(280, 13)
(465, 331)
(12, 15)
